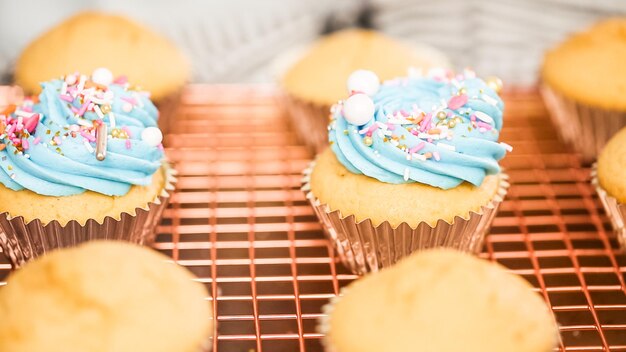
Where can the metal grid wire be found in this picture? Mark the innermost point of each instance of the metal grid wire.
(240, 223)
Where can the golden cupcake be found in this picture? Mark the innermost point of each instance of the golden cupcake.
(91, 40)
(104, 296)
(318, 79)
(83, 162)
(584, 89)
(608, 178)
(440, 301)
(412, 164)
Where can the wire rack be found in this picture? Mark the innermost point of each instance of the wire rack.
(239, 222)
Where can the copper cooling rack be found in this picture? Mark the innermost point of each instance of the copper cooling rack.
(240, 223)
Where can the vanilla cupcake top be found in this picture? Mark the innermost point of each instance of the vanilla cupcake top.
(439, 129)
(86, 133)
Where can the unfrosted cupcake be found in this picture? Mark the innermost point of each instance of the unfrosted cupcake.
(317, 80)
(608, 176)
(439, 301)
(90, 40)
(104, 297)
(583, 86)
(415, 166)
(84, 162)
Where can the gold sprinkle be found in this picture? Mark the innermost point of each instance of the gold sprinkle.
(451, 124)
(10, 167)
(441, 115)
(345, 132)
(105, 109)
(462, 91)
(48, 132)
(368, 141)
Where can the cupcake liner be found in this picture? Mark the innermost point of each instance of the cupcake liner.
(365, 248)
(168, 106)
(23, 241)
(310, 121)
(587, 129)
(615, 210)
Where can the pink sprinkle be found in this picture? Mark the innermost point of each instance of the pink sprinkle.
(25, 144)
(160, 146)
(88, 136)
(404, 113)
(16, 140)
(11, 129)
(457, 101)
(426, 122)
(473, 118)
(128, 144)
(129, 100)
(430, 140)
(74, 110)
(436, 155)
(27, 108)
(67, 98)
(57, 140)
(368, 133)
(484, 125)
(19, 127)
(415, 132)
(36, 140)
(31, 123)
(121, 80)
(417, 148)
(391, 127)
(74, 128)
(83, 108)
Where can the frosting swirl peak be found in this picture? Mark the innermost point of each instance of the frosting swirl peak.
(439, 130)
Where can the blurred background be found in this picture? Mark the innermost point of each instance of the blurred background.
(239, 40)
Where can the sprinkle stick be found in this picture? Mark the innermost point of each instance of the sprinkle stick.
(101, 141)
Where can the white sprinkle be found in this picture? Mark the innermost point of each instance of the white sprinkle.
(84, 122)
(487, 98)
(446, 146)
(508, 147)
(419, 157)
(394, 142)
(81, 83)
(444, 103)
(63, 88)
(88, 146)
(484, 117)
(406, 174)
(408, 157)
(98, 111)
(101, 101)
(380, 134)
(138, 99)
(112, 119)
(21, 114)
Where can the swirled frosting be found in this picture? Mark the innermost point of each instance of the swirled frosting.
(439, 130)
(49, 147)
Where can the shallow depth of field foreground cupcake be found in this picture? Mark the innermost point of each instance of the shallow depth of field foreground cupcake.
(413, 164)
(84, 162)
(583, 86)
(104, 296)
(609, 178)
(440, 301)
(317, 80)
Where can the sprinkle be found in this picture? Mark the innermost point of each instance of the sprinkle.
(457, 101)
(101, 142)
(121, 80)
(125, 129)
(88, 136)
(57, 140)
(98, 111)
(128, 144)
(506, 146)
(489, 100)
(12, 176)
(84, 123)
(369, 130)
(31, 123)
(391, 126)
(64, 88)
(436, 155)
(10, 167)
(129, 100)
(417, 148)
(483, 125)
(406, 174)
(434, 131)
(483, 117)
(25, 144)
(428, 155)
(426, 122)
(88, 146)
(83, 108)
(36, 140)
(419, 157)
(446, 146)
(22, 113)
(3, 147)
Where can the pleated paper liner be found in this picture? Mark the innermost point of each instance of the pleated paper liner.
(587, 129)
(615, 210)
(310, 121)
(23, 241)
(365, 248)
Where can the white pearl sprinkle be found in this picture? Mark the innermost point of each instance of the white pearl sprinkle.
(152, 136)
(363, 81)
(102, 76)
(358, 109)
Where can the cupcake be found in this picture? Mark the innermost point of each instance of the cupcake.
(440, 301)
(82, 163)
(583, 86)
(90, 40)
(318, 79)
(104, 296)
(608, 178)
(412, 165)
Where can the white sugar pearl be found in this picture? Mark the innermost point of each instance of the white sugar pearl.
(152, 136)
(358, 109)
(102, 76)
(363, 81)
(70, 79)
(127, 107)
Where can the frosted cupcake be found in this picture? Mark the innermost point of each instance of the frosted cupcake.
(316, 80)
(85, 162)
(413, 164)
(440, 301)
(583, 86)
(608, 178)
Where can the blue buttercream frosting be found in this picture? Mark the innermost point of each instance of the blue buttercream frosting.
(57, 157)
(439, 131)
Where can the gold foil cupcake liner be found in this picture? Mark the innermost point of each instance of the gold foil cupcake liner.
(364, 247)
(310, 121)
(615, 210)
(587, 129)
(22, 241)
